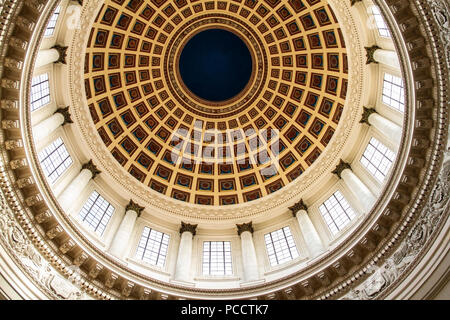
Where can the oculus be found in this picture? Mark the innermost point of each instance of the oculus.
(215, 65)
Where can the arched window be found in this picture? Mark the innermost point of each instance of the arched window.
(55, 159)
(152, 247)
(337, 212)
(377, 159)
(96, 212)
(40, 91)
(383, 29)
(50, 30)
(394, 92)
(280, 246)
(217, 258)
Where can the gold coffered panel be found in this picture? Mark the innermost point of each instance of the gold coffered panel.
(208, 153)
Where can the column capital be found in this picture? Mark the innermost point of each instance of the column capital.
(366, 114)
(297, 207)
(92, 168)
(352, 2)
(245, 227)
(192, 228)
(66, 114)
(341, 167)
(135, 207)
(62, 51)
(370, 51)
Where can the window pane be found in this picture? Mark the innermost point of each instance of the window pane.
(96, 212)
(337, 212)
(280, 246)
(50, 30)
(40, 91)
(377, 159)
(217, 258)
(381, 24)
(55, 159)
(394, 92)
(152, 247)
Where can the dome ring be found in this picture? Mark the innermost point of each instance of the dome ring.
(229, 107)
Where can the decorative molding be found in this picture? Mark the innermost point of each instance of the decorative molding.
(13, 144)
(66, 114)
(297, 207)
(24, 182)
(341, 167)
(10, 124)
(186, 227)
(441, 13)
(135, 207)
(366, 114)
(18, 163)
(436, 209)
(62, 52)
(92, 168)
(10, 84)
(245, 227)
(370, 51)
(29, 259)
(13, 63)
(9, 105)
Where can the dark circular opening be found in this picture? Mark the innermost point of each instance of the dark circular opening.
(215, 65)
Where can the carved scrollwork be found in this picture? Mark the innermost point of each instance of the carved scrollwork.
(416, 239)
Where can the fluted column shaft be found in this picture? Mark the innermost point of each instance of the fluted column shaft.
(123, 234)
(183, 266)
(309, 232)
(249, 260)
(74, 189)
(47, 126)
(390, 130)
(387, 57)
(46, 56)
(359, 189)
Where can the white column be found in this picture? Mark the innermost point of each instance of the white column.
(359, 189)
(249, 260)
(45, 57)
(46, 127)
(387, 57)
(390, 130)
(74, 189)
(124, 233)
(309, 232)
(184, 259)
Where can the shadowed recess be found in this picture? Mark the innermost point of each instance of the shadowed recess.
(215, 65)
